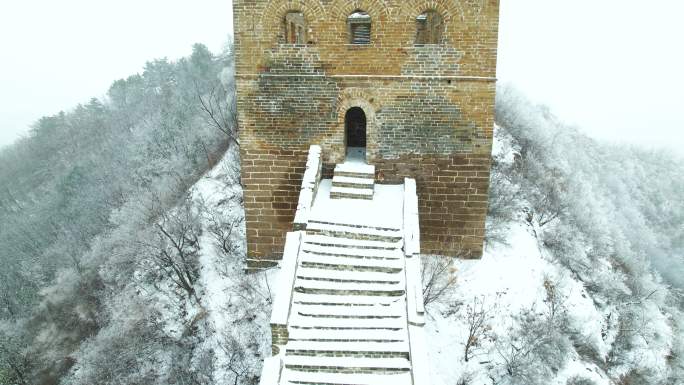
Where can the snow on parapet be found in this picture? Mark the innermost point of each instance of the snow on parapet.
(270, 374)
(415, 308)
(310, 182)
(281, 305)
(414, 287)
(411, 226)
(414, 292)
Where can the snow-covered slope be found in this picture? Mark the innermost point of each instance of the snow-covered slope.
(509, 279)
(237, 305)
(573, 288)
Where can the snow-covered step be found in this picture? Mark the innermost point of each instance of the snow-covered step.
(366, 311)
(345, 300)
(328, 287)
(354, 182)
(306, 256)
(355, 170)
(323, 240)
(352, 267)
(357, 276)
(355, 225)
(304, 321)
(347, 335)
(353, 253)
(351, 193)
(311, 378)
(341, 227)
(350, 264)
(325, 346)
(388, 349)
(346, 365)
(351, 232)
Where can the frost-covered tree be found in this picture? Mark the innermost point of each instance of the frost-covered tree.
(71, 203)
(608, 216)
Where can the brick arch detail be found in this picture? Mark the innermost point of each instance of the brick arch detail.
(451, 11)
(379, 11)
(274, 13)
(448, 9)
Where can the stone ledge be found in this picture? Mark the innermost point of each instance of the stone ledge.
(414, 292)
(257, 265)
(270, 374)
(361, 76)
(283, 300)
(411, 219)
(309, 189)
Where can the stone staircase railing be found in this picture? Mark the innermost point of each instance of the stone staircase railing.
(284, 289)
(310, 183)
(414, 286)
(282, 304)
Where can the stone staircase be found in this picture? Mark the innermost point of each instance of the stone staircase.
(349, 306)
(353, 181)
(348, 318)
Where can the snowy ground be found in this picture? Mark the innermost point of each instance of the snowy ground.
(238, 306)
(381, 211)
(505, 281)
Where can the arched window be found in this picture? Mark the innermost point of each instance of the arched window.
(430, 26)
(359, 24)
(295, 28)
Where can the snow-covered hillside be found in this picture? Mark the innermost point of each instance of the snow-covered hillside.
(573, 287)
(237, 305)
(511, 282)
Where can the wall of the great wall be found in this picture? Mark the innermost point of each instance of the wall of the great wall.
(429, 109)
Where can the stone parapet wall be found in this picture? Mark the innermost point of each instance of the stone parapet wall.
(309, 189)
(279, 338)
(284, 287)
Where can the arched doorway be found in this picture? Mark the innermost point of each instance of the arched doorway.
(355, 134)
(355, 127)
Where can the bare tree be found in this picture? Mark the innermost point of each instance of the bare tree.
(533, 350)
(438, 277)
(15, 358)
(221, 230)
(547, 188)
(176, 247)
(477, 319)
(220, 110)
(466, 378)
(579, 380)
(237, 362)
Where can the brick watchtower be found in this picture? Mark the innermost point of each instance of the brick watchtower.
(410, 82)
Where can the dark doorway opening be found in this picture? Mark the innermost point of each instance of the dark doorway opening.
(355, 127)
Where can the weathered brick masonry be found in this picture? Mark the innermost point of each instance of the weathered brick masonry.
(429, 108)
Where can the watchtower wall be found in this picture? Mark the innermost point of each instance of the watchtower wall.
(429, 109)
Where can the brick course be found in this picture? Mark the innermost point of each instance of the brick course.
(429, 109)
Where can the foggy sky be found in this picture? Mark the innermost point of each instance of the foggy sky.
(611, 67)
